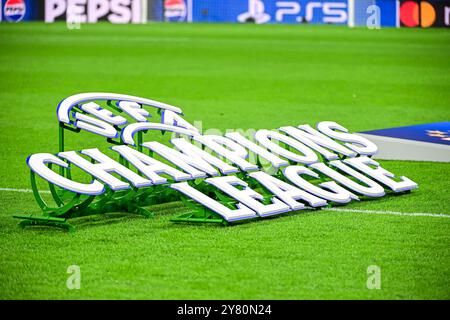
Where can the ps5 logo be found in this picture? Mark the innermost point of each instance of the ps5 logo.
(300, 11)
(255, 13)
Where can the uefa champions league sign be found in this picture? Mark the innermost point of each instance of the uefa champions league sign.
(292, 168)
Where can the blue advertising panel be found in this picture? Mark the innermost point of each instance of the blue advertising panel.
(388, 12)
(385, 11)
(270, 11)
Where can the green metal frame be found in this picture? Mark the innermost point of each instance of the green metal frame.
(72, 205)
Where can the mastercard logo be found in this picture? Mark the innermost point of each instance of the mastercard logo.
(412, 14)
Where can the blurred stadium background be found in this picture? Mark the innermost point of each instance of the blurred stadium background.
(310, 61)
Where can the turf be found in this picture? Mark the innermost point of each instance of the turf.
(229, 76)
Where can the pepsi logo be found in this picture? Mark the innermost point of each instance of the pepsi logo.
(175, 10)
(14, 10)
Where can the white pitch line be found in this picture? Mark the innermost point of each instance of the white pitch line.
(22, 190)
(394, 213)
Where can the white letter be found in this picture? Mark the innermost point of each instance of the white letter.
(264, 137)
(150, 167)
(380, 174)
(53, 9)
(236, 155)
(373, 277)
(103, 114)
(134, 110)
(100, 170)
(171, 118)
(286, 192)
(37, 162)
(95, 125)
(196, 153)
(230, 215)
(276, 162)
(136, 10)
(316, 140)
(373, 189)
(373, 21)
(248, 196)
(359, 144)
(187, 163)
(74, 281)
(75, 11)
(97, 9)
(447, 16)
(310, 10)
(129, 131)
(285, 8)
(339, 194)
(121, 12)
(337, 11)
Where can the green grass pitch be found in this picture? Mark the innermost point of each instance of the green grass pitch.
(229, 76)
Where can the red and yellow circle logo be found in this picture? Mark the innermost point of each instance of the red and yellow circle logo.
(412, 14)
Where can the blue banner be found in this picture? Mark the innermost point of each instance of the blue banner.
(270, 11)
(431, 132)
(382, 13)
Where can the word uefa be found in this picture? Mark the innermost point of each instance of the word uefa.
(305, 167)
